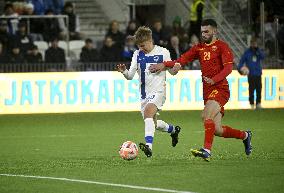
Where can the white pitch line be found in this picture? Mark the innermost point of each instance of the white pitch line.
(99, 183)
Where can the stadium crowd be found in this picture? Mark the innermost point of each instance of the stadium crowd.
(19, 38)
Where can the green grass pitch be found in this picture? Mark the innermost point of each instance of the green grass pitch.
(84, 146)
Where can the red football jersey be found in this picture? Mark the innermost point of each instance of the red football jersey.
(212, 59)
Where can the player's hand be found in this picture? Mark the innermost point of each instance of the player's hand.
(157, 67)
(208, 80)
(176, 68)
(120, 67)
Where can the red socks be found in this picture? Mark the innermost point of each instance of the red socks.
(209, 126)
(229, 132)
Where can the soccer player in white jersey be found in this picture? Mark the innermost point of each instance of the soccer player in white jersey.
(152, 86)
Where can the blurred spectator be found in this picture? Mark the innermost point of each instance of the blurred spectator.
(195, 64)
(89, 53)
(39, 6)
(55, 54)
(16, 56)
(180, 32)
(159, 34)
(34, 56)
(193, 41)
(129, 48)
(35, 25)
(116, 35)
(252, 58)
(51, 27)
(174, 47)
(196, 16)
(13, 22)
(3, 56)
(131, 28)
(5, 37)
(73, 23)
(18, 6)
(110, 52)
(280, 38)
(3, 59)
(55, 5)
(270, 37)
(23, 39)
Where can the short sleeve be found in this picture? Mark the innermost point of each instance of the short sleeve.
(167, 55)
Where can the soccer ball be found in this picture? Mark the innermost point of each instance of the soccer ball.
(128, 150)
(244, 70)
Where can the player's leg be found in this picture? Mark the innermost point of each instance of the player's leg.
(211, 109)
(171, 129)
(218, 124)
(159, 100)
(149, 113)
(229, 132)
(164, 126)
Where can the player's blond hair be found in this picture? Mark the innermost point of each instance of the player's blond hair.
(143, 34)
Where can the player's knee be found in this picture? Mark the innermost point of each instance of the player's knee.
(218, 131)
(149, 113)
(208, 115)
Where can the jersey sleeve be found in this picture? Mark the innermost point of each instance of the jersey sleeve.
(227, 55)
(167, 55)
(188, 56)
(129, 74)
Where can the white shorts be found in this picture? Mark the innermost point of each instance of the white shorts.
(157, 98)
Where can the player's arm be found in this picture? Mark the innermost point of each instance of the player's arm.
(227, 61)
(189, 56)
(129, 74)
(174, 70)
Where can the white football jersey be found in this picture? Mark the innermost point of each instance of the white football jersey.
(149, 82)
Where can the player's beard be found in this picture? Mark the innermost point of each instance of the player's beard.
(208, 40)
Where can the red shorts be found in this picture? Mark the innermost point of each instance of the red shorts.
(219, 95)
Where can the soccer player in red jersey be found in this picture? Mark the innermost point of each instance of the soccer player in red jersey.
(216, 60)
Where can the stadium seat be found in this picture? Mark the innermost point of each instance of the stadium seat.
(76, 48)
(63, 45)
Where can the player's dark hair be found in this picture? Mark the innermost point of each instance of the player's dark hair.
(143, 34)
(210, 22)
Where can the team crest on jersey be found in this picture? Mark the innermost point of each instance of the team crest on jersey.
(156, 58)
(214, 48)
